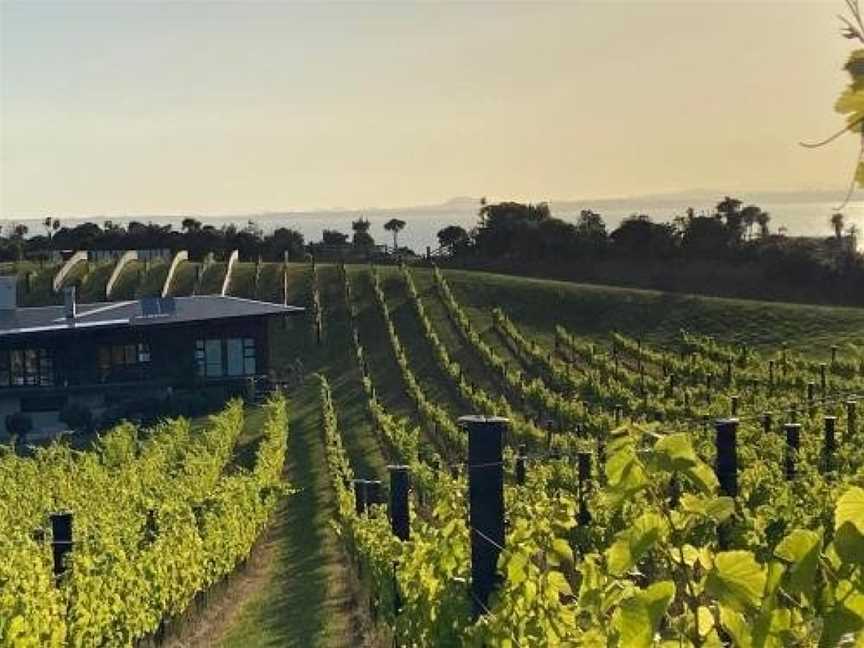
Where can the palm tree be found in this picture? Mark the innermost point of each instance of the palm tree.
(749, 216)
(852, 233)
(762, 219)
(837, 222)
(395, 225)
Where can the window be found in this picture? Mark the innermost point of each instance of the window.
(249, 356)
(122, 361)
(213, 353)
(26, 367)
(239, 357)
(234, 348)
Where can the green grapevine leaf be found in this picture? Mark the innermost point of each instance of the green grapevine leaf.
(638, 618)
(716, 508)
(633, 543)
(850, 508)
(845, 616)
(801, 549)
(736, 580)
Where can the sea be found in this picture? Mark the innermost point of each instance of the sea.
(423, 223)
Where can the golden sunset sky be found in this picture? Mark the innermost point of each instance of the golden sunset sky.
(218, 107)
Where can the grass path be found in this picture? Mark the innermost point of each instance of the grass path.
(472, 364)
(298, 589)
(386, 375)
(437, 385)
(305, 595)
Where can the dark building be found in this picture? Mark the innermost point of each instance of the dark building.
(96, 354)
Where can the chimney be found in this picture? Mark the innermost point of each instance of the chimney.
(70, 305)
(8, 292)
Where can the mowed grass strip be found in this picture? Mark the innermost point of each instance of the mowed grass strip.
(437, 385)
(305, 597)
(304, 593)
(385, 372)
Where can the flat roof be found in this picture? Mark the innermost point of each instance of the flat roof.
(153, 311)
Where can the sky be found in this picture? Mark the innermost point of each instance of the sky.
(215, 107)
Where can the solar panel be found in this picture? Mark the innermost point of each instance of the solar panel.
(167, 306)
(150, 306)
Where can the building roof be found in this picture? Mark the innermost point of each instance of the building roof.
(144, 312)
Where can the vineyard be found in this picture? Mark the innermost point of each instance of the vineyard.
(643, 473)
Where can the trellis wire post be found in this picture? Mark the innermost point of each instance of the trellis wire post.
(829, 443)
(61, 540)
(520, 465)
(793, 444)
(726, 467)
(486, 503)
(399, 508)
(584, 479)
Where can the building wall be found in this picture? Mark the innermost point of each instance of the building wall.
(77, 376)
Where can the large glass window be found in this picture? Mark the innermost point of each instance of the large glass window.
(238, 354)
(122, 361)
(26, 367)
(213, 352)
(249, 356)
(234, 348)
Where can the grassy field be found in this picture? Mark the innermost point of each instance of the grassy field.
(211, 280)
(183, 282)
(153, 279)
(242, 282)
(127, 283)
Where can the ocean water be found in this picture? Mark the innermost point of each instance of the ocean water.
(423, 224)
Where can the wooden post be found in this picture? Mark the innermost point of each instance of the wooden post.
(399, 507)
(359, 496)
(851, 419)
(726, 468)
(520, 465)
(833, 354)
(823, 379)
(584, 479)
(811, 398)
(486, 504)
(793, 444)
(829, 444)
(374, 491)
(733, 404)
(766, 423)
(61, 540)
(726, 462)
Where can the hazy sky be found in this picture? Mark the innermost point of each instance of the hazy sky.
(226, 107)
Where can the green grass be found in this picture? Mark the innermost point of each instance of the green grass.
(76, 275)
(242, 282)
(41, 291)
(594, 311)
(93, 286)
(421, 355)
(383, 367)
(211, 280)
(127, 283)
(183, 281)
(153, 280)
(306, 596)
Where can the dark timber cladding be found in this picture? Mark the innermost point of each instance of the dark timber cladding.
(80, 353)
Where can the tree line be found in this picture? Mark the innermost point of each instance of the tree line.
(18, 242)
(730, 251)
